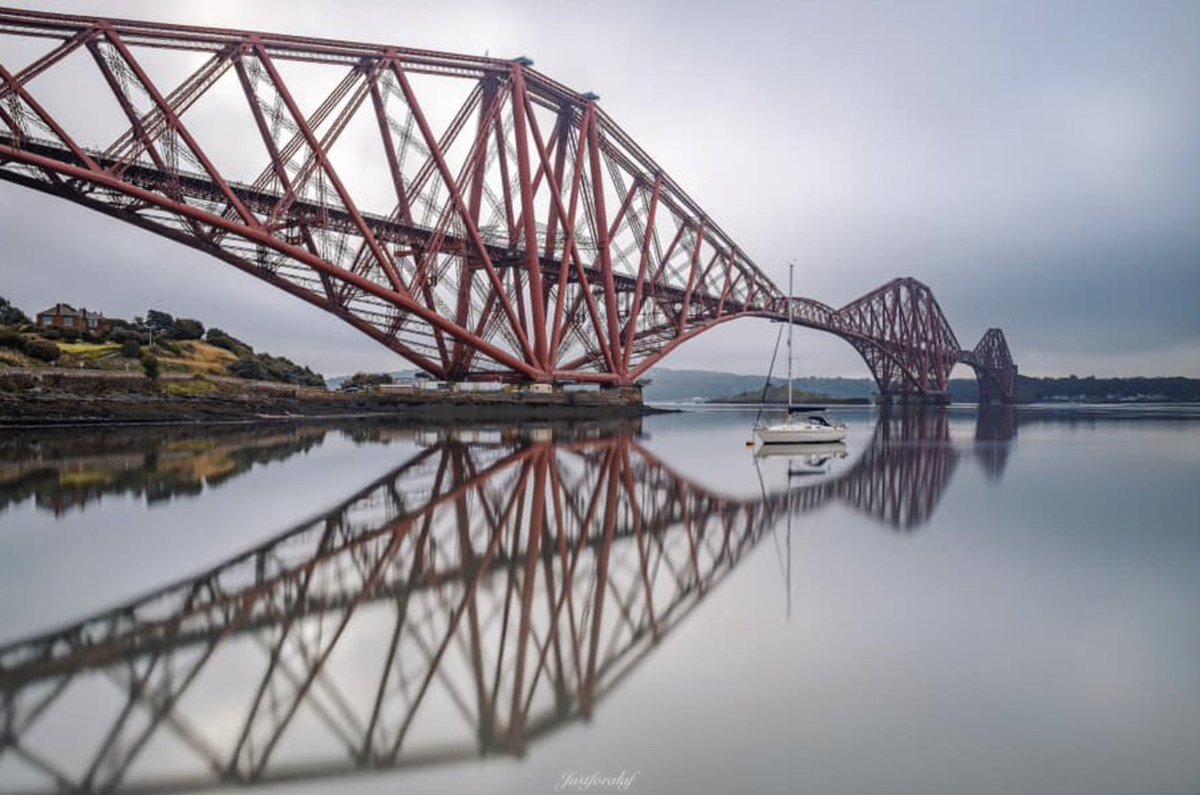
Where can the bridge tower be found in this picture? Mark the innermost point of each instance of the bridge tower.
(994, 368)
(903, 336)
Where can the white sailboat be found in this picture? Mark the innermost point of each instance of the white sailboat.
(802, 426)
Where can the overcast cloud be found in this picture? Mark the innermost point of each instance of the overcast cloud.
(1037, 164)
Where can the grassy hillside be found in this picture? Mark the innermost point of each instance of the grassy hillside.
(189, 356)
(127, 349)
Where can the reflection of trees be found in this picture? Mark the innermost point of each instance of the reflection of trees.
(472, 600)
(61, 471)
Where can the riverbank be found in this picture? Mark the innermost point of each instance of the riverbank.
(49, 397)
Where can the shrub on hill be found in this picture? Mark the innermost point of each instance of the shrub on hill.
(264, 367)
(44, 350)
(249, 367)
(124, 335)
(36, 347)
(223, 339)
(150, 366)
(288, 372)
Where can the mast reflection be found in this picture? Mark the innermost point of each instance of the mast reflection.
(480, 595)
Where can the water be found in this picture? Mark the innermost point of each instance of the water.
(955, 602)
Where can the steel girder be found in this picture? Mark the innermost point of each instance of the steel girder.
(899, 330)
(471, 214)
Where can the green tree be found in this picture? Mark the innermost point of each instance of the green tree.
(186, 328)
(131, 349)
(150, 366)
(223, 339)
(11, 315)
(249, 367)
(160, 322)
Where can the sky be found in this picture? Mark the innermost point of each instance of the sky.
(1037, 164)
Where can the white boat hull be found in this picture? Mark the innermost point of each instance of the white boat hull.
(799, 434)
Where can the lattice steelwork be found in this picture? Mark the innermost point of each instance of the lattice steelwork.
(994, 367)
(473, 215)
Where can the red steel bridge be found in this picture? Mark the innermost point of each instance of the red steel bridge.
(474, 599)
(471, 214)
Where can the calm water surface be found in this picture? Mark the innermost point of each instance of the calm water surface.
(953, 602)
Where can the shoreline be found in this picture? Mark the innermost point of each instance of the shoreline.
(72, 399)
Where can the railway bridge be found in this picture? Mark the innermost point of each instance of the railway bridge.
(473, 215)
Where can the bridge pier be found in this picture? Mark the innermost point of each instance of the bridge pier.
(625, 393)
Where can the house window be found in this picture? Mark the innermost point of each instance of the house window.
(45, 320)
(68, 322)
(92, 322)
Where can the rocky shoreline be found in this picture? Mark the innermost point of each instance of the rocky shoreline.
(66, 398)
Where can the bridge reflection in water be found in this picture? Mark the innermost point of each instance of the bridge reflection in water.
(477, 597)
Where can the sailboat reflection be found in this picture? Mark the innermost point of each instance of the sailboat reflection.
(805, 459)
(905, 468)
(479, 596)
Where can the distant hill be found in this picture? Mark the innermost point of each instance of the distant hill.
(669, 386)
(778, 394)
(683, 386)
(687, 385)
(1175, 388)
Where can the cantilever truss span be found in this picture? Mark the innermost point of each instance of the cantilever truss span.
(471, 214)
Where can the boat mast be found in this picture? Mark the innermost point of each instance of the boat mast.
(789, 549)
(791, 271)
